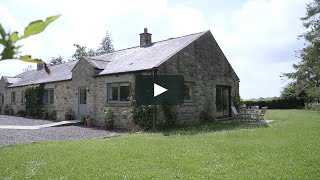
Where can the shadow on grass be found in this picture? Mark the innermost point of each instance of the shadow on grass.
(209, 127)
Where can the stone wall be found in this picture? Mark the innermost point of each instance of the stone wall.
(17, 105)
(203, 63)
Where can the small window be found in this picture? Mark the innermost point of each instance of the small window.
(83, 96)
(48, 97)
(13, 97)
(1, 98)
(23, 97)
(118, 92)
(189, 91)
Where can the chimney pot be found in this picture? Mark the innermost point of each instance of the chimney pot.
(39, 66)
(145, 38)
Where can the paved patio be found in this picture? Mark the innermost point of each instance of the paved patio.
(44, 130)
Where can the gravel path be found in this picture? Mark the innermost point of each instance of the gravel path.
(11, 136)
(19, 121)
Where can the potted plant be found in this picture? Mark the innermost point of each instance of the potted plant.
(21, 113)
(69, 114)
(83, 120)
(89, 120)
(6, 110)
(108, 118)
(45, 113)
(11, 112)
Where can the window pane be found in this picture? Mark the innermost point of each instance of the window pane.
(1, 98)
(124, 92)
(83, 96)
(188, 90)
(45, 97)
(222, 100)
(113, 92)
(51, 96)
(22, 97)
(219, 104)
(13, 96)
(225, 101)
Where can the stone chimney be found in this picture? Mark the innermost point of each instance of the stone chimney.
(145, 38)
(39, 66)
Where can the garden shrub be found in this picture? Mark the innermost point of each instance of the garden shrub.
(21, 113)
(315, 106)
(204, 115)
(237, 102)
(52, 115)
(143, 116)
(280, 103)
(171, 115)
(34, 100)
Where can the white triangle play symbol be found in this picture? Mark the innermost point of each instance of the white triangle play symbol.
(157, 90)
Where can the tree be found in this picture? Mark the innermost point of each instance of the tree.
(294, 91)
(81, 51)
(106, 45)
(306, 74)
(56, 60)
(8, 40)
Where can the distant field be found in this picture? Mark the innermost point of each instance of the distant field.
(288, 148)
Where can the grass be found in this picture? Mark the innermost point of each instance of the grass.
(288, 148)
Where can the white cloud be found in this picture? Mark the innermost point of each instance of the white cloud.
(258, 37)
(186, 20)
(259, 40)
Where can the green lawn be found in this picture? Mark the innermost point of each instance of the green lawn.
(288, 148)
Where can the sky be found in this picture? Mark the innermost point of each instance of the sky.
(258, 37)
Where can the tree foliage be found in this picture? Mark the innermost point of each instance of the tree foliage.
(56, 60)
(306, 74)
(9, 40)
(82, 51)
(106, 45)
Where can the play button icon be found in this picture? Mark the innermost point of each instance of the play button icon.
(157, 90)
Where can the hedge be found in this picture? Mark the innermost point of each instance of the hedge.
(34, 100)
(278, 103)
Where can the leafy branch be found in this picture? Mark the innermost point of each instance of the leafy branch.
(8, 40)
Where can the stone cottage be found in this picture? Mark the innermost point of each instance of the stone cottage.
(91, 84)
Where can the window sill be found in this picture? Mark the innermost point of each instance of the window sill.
(189, 103)
(118, 104)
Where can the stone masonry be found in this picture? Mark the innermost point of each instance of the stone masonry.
(201, 62)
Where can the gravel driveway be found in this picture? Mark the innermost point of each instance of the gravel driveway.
(12, 136)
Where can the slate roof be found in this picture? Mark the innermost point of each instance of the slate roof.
(143, 58)
(11, 80)
(125, 60)
(59, 72)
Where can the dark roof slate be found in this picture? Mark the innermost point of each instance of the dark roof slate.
(59, 72)
(125, 60)
(143, 58)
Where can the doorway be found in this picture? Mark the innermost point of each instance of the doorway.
(82, 102)
(223, 101)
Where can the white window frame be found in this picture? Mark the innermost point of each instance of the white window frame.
(13, 97)
(46, 100)
(23, 97)
(192, 84)
(118, 85)
(1, 98)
